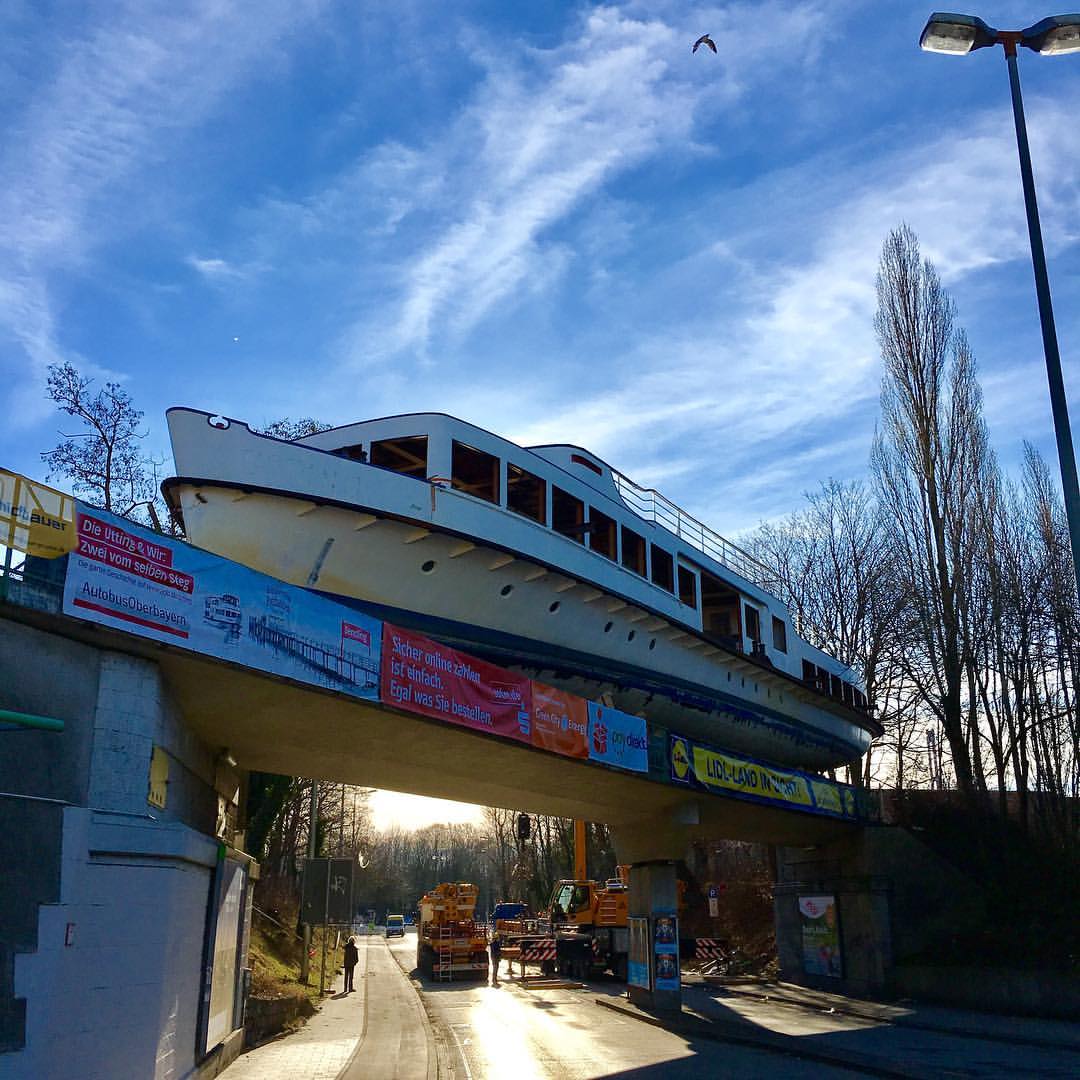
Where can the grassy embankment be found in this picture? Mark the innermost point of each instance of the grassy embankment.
(279, 1001)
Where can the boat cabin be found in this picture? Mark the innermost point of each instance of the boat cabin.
(699, 578)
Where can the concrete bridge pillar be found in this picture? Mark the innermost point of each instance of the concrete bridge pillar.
(652, 849)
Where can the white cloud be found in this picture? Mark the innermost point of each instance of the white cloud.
(106, 102)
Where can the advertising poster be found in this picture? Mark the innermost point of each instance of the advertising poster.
(665, 951)
(617, 738)
(34, 518)
(637, 970)
(820, 936)
(560, 721)
(421, 676)
(132, 579)
(700, 766)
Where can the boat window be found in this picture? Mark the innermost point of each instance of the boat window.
(836, 686)
(687, 587)
(720, 606)
(474, 472)
(753, 623)
(577, 459)
(567, 515)
(603, 537)
(406, 456)
(849, 694)
(779, 635)
(663, 568)
(526, 494)
(353, 453)
(633, 551)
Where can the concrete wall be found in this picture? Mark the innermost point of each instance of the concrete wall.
(134, 713)
(122, 998)
(53, 676)
(895, 898)
(104, 897)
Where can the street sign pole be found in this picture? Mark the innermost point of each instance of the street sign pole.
(325, 930)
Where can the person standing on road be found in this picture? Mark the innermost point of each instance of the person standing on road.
(352, 955)
(496, 956)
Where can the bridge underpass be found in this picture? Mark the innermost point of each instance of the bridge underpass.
(272, 726)
(147, 773)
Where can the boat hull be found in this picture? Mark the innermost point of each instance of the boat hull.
(568, 632)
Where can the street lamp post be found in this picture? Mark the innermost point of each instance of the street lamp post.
(958, 35)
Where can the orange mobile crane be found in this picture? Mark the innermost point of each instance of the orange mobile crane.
(589, 920)
(449, 942)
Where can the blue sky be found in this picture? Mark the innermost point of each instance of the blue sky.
(553, 221)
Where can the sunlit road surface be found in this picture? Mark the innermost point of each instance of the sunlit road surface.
(485, 1033)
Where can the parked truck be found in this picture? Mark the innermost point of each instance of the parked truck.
(450, 944)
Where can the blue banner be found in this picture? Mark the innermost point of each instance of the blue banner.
(617, 738)
(130, 578)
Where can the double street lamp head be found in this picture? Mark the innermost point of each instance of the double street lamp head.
(960, 34)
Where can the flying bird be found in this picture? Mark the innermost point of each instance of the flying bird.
(704, 40)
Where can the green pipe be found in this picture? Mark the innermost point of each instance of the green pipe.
(45, 723)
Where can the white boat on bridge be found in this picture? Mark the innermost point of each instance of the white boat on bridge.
(544, 558)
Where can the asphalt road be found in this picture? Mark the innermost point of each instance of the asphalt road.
(483, 1033)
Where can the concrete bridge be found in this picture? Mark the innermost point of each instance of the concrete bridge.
(122, 828)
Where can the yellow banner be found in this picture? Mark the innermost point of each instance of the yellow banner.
(827, 796)
(34, 518)
(749, 778)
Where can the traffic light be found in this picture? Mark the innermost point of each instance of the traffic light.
(524, 827)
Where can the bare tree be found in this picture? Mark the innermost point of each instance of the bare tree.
(931, 461)
(290, 429)
(835, 575)
(104, 462)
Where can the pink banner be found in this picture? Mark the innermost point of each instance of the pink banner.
(421, 676)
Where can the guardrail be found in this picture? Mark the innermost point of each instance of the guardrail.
(649, 504)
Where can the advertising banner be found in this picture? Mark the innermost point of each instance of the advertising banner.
(560, 721)
(820, 936)
(665, 951)
(35, 519)
(637, 969)
(421, 676)
(703, 767)
(130, 578)
(617, 738)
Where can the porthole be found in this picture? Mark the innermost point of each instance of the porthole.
(607, 627)
(428, 567)
(652, 644)
(506, 590)
(554, 606)
(631, 635)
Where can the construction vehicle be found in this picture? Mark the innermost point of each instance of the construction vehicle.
(588, 921)
(449, 942)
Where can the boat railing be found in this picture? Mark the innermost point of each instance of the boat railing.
(649, 504)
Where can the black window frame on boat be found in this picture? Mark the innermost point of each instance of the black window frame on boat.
(688, 593)
(662, 568)
(526, 493)
(394, 452)
(603, 534)
(752, 622)
(565, 506)
(779, 635)
(721, 611)
(634, 555)
(463, 458)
